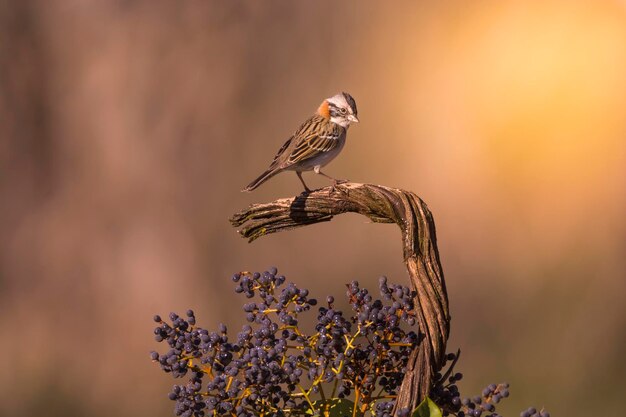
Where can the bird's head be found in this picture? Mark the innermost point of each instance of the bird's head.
(340, 109)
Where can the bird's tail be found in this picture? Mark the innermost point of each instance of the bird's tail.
(262, 178)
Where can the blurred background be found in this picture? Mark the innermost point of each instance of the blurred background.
(127, 129)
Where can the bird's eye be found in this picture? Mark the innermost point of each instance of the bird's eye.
(342, 110)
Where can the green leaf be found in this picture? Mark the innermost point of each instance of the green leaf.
(427, 409)
(334, 407)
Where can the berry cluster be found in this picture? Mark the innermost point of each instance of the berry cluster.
(532, 412)
(273, 368)
(446, 394)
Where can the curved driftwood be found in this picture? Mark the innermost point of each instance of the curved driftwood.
(381, 205)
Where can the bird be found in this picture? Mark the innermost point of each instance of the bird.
(316, 142)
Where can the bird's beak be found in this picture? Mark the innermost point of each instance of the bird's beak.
(353, 118)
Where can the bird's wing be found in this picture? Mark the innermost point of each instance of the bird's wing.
(279, 155)
(316, 136)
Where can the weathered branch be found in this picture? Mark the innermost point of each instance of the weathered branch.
(381, 205)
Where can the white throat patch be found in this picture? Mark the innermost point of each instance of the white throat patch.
(341, 121)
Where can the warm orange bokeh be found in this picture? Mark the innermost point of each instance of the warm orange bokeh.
(128, 128)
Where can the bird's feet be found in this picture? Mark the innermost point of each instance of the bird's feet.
(334, 188)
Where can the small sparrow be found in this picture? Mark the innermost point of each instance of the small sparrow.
(317, 142)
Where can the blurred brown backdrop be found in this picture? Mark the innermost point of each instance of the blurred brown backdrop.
(128, 128)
